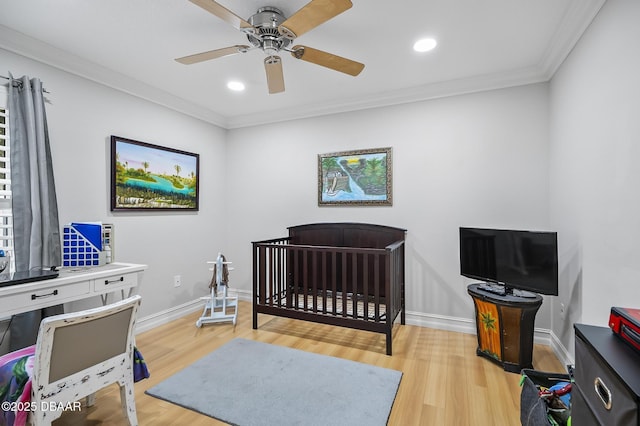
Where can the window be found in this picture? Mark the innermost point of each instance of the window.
(6, 218)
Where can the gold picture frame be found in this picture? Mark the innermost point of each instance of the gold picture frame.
(355, 178)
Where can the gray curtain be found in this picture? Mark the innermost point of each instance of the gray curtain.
(35, 208)
(36, 228)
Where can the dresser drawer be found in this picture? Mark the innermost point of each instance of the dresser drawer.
(609, 400)
(115, 282)
(44, 296)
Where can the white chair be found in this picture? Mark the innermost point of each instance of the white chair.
(81, 352)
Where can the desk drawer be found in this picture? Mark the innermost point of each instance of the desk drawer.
(115, 282)
(603, 392)
(45, 296)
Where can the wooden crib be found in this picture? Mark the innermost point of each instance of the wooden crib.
(345, 274)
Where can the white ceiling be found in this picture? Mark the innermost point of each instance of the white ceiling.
(132, 44)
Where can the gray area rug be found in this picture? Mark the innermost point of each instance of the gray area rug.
(249, 383)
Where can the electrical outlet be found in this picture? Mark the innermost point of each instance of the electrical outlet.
(562, 310)
(177, 281)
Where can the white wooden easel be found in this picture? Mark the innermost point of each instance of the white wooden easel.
(215, 308)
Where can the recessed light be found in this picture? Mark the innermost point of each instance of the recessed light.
(424, 45)
(236, 86)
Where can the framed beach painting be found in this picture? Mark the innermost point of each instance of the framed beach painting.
(361, 178)
(152, 177)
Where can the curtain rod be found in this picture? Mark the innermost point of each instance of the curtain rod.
(19, 82)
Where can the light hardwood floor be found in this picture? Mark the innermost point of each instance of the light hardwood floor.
(443, 382)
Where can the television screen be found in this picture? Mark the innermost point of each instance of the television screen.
(526, 260)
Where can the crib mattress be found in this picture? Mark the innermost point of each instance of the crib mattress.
(362, 310)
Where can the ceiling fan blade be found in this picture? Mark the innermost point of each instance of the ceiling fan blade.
(311, 15)
(275, 76)
(223, 13)
(213, 54)
(329, 60)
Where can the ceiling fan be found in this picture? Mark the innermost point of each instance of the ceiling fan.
(269, 30)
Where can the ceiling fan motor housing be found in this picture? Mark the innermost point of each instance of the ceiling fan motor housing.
(267, 37)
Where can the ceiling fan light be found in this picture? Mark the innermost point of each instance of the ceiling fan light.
(235, 86)
(424, 45)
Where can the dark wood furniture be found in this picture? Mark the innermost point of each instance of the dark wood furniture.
(607, 379)
(344, 274)
(504, 325)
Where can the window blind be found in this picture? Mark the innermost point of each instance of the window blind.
(6, 218)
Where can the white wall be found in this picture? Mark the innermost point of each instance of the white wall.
(595, 200)
(81, 117)
(473, 160)
(561, 156)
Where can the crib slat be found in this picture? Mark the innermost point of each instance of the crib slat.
(376, 287)
(343, 287)
(305, 277)
(314, 279)
(263, 275)
(296, 277)
(278, 267)
(270, 278)
(354, 283)
(334, 299)
(323, 281)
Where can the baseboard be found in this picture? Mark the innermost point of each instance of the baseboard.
(463, 325)
(561, 352)
(163, 317)
(155, 320)
(440, 322)
(541, 336)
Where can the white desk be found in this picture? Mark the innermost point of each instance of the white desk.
(70, 285)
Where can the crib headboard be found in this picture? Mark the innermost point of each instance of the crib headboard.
(347, 234)
(338, 236)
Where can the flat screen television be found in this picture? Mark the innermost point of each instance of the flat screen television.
(523, 260)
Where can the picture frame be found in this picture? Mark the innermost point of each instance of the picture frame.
(147, 177)
(356, 178)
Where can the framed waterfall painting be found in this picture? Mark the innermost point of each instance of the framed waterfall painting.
(360, 178)
(152, 177)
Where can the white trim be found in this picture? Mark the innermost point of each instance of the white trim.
(441, 322)
(4, 95)
(6, 212)
(541, 336)
(40, 51)
(577, 18)
(166, 316)
(171, 314)
(561, 352)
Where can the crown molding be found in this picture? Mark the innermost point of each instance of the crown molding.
(575, 21)
(577, 17)
(396, 97)
(40, 51)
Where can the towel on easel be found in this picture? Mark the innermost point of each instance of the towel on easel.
(220, 275)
